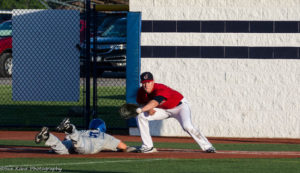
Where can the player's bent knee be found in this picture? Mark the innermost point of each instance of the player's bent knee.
(188, 129)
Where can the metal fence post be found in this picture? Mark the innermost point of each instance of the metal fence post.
(88, 62)
(94, 62)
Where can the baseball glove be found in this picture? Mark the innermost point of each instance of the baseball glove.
(128, 110)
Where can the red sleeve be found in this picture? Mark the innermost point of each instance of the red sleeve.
(172, 97)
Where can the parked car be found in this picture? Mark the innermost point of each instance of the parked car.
(82, 30)
(6, 46)
(5, 15)
(107, 22)
(6, 49)
(110, 48)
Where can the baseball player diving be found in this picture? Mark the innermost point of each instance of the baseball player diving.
(159, 102)
(81, 142)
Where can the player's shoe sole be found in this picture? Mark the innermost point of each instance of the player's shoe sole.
(43, 135)
(65, 126)
(131, 149)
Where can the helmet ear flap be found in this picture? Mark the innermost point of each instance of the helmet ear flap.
(99, 124)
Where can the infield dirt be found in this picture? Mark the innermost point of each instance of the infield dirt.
(42, 152)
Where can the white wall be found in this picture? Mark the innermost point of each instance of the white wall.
(229, 97)
(217, 9)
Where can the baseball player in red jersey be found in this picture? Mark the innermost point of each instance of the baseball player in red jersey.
(160, 102)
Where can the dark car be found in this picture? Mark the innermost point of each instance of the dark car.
(6, 46)
(6, 49)
(82, 30)
(110, 47)
(107, 22)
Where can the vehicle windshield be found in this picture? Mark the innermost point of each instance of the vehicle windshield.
(108, 21)
(118, 29)
(6, 29)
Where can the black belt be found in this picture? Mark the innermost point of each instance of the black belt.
(179, 103)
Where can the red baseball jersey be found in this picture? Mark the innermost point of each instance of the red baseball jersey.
(172, 97)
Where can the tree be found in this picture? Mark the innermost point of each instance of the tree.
(21, 4)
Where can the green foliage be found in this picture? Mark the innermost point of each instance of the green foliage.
(20, 4)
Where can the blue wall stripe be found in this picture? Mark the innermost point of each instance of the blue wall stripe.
(220, 52)
(188, 26)
(221, 26)
(162, 26)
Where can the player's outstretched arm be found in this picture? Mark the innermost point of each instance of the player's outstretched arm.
(152, 104)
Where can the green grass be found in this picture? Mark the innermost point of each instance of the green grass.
(30, 114)
(226, 147)
(20, 143)
(90, 165)
(229, 147)
(87, 165)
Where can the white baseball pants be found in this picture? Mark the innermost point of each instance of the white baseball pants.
(182, 113)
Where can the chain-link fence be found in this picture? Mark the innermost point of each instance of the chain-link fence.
(43, 64)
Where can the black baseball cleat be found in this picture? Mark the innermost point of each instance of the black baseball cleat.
(65, 126)
(211, 150)
(144, 149)
(43, 135)
(131, 149)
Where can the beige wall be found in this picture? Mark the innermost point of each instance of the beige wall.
(229, 97)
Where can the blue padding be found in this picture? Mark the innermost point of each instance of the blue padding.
(133, 59)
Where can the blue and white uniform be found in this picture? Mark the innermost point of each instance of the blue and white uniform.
(83, 142)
